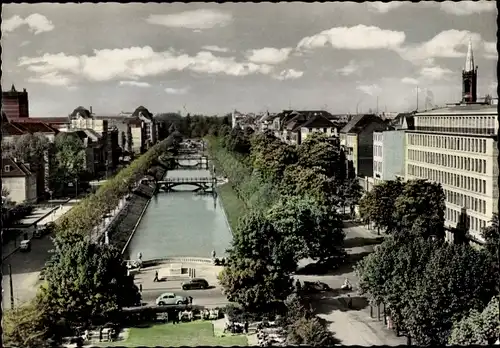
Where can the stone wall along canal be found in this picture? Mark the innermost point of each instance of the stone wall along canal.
(182, 223)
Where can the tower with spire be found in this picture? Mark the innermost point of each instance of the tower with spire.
(469, 77)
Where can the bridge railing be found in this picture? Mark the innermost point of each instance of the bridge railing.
(187, 180)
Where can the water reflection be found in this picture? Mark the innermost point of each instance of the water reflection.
(182, 224)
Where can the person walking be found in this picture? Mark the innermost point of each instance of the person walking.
(246, 326)
(156, 276)
(140, 287)
(190, 300)
(175, 318)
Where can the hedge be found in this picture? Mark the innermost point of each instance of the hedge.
(90, 211)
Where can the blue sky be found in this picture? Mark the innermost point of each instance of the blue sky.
(213, 58)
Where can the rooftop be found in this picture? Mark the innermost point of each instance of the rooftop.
(358, 122)
(462, 109)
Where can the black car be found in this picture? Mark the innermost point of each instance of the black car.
(195, 283)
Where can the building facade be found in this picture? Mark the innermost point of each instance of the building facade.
(388, 155)
(19, 181)
(356, 138)
(457, 147)
(15, 104)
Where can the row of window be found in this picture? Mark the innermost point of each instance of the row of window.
(446, 178)
(478, 205)
(456, 121)
(475, 131)
(458, 162)
(377, 150)
(377, 166)
(474, 223)
(448, 142)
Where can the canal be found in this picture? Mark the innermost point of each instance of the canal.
(182, 223)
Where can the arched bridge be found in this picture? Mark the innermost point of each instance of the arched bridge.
(200, 162)
(199, 183)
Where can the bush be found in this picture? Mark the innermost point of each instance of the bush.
(88, 213)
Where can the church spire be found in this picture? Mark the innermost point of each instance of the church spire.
(469, 58)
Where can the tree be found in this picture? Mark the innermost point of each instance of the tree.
(271, 157)
(130, 140)
(378, 204)
(88, 283)
(478, 328)
(124, 141)
(70, 159)
(456, 278)
(30, 148)
(300, 181)
(312, 229)
(321, 151)
(254, 284)
(491, 236)
(350, 193)
(310, 331)
(257, 238)
(27, 326)
(420, 209)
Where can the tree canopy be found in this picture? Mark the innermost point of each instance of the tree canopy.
(88, 283)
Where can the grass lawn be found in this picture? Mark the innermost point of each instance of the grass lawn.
(197, 333)
(233, 206)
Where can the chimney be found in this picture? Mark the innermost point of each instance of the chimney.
(90, 109)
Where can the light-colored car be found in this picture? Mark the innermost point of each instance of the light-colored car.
(169, 298)
(25, 245)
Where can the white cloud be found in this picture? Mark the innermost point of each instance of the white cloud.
(490, 50)
(384, 7)
(176, 91)
(353, 67)
(24, 43)
(435, 72)
(269, 55)
(464, 8)
(354, 38)
(51, 79)
(369, 89)
(446, 44)
(409, 81)
(36, 23)
(215, 48)
(289, 74)
(137, 62)
(197, 19)
(135, 84)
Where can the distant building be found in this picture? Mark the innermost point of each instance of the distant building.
(15, 104)
(457, 147)
(19, 181)
(94, 155)
(357, 140)
(143, 128)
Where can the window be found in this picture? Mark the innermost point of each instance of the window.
(6, 168)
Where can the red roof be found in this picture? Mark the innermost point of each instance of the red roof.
(34, 127)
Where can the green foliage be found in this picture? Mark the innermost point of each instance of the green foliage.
(310, 181)
(88, 283)
(30, 148)
(26, 326)
(491, 236)
(378, 204)
(426, 285)
(87, 214)
(69, 161)
(420, 208)
(310, 229)
(254, 284)
(311, 332)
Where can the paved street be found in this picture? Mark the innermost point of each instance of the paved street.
(351, 326)
(211, 297)
(26, 266)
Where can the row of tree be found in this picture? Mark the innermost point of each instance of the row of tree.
(289, 217)
(87, 283)
(429, 286)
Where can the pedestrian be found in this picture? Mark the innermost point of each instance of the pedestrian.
(190, 300)
(156, 276)
(213, 254)
(349, 301)
(140, 287)
(174, 320)
(246, 326)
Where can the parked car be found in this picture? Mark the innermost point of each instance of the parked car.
(169, 298)
(195, 283)
(25, 245)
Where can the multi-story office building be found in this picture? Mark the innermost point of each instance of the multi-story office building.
(15, 104)
(456, 146)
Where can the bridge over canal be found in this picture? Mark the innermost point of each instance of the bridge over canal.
(207, 183)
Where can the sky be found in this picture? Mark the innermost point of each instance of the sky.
(208, 58)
